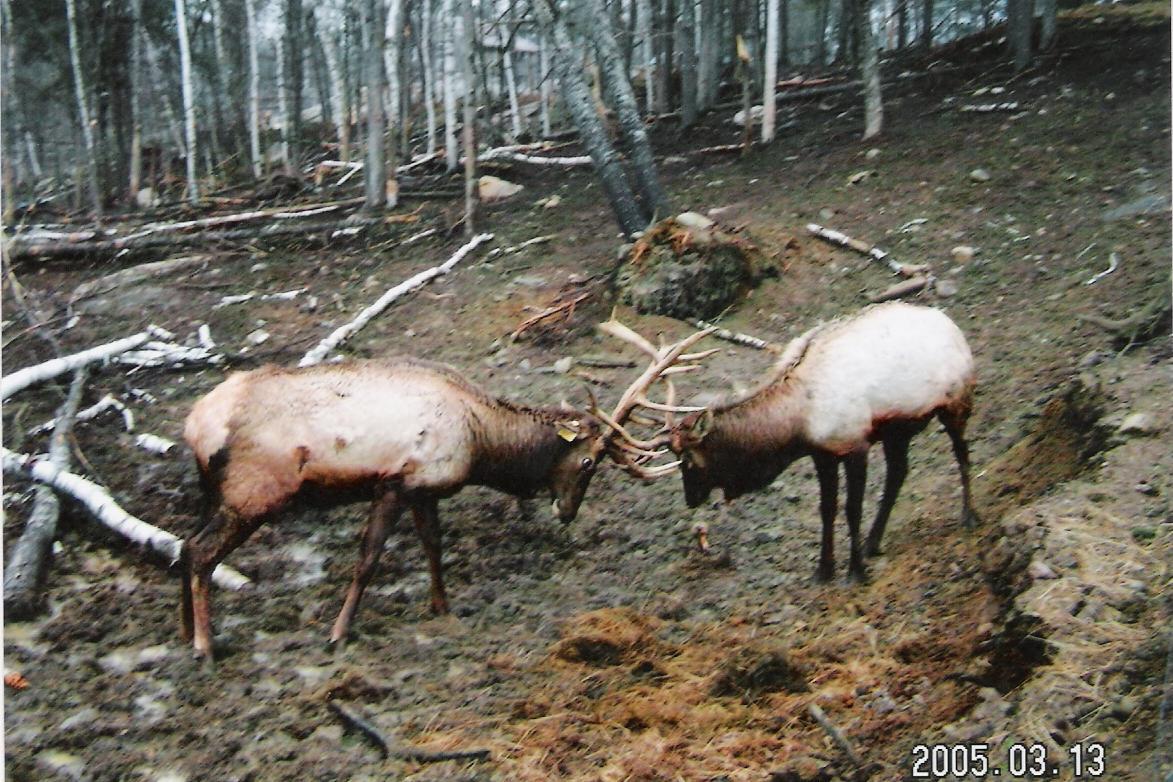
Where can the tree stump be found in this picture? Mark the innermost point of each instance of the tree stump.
(687, 267)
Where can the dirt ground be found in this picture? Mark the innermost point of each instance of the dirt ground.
(610, 649)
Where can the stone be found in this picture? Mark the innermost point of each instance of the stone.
(1137, 423)
(694, 220)
(563, 365)
(553, 202)
(755, 113)
(946, 288)
(980, 175)
(860, 176)
(496, 189)
(1145, 205)
(962, 253)
(257, 337)
(530, 281)
(147, 198)
(872, 154)
(1039, 570)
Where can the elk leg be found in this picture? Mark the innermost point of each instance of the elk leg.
(827, 468)
(203, 552)
(427, 526)
(955, 425)
(856, 465)
(384, 512)
(896, 469)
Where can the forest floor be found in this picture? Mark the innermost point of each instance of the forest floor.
(609, 648)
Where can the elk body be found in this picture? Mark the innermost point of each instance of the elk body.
(401, 434)
(879, 376)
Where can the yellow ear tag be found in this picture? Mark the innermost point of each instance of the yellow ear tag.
(567, 434)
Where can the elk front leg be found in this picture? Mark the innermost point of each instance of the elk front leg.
(955, 425)
(427, 525)
(856, 467)
(384, 512)
(203, 552)
(827, 468)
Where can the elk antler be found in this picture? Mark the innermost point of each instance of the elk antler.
(628, 451)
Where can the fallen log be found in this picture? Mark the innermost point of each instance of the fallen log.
(28, 376)
(145, 271)
(97, 500)
(870, 250)
(107, 402)
(343, 333)
(736, 338)
(911, 285)
(25, 571)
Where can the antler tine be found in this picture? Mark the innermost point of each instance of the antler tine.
(649, 473)
(668, 408)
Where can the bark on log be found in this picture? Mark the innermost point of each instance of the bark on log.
(25, 571)
(870, 250)
(342, 333)
(26, 377)
(98, 501)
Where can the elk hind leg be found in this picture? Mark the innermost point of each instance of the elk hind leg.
(384, 512)
(223, 533)
(426, 515)
(954, 421)
(896, 470)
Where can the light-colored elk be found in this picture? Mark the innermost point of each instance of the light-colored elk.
(881, 375)
(400, 433)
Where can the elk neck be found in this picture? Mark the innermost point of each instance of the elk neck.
(515, 447)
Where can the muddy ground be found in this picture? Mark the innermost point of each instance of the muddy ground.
(609, 648)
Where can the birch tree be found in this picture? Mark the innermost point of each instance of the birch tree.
(393, 41)
(622, 100)
(339, 94)
(428, 73)
(83, 109)
(770, 80)
(136, 109)
(577, 98)
(254, 88)
(647, 46)
(451, 154)
(189, 120)
(544, 86)
(373, 172)
(870, 71)
(471, 191)
(686, 33)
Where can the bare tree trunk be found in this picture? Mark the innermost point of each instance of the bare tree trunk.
(870, 73)
(254, 89)
(511, 88)
(391, 64)
(770, 80)
(901, 23)
(663, 22)
(926, 24)
(452, 154)
(189, 124)
(136, 109)
(223, 71)
(374, 173)
(293, 60)
(1047, 9)
(576, 96)
(339, 94)
(647, 45)
(471, 192)
(11, 156)
(544, 88)
(283, 104)
(686, 34)
(1019, 18)
(709, 62)
(631, 125)
(427, 57)
(83, 109)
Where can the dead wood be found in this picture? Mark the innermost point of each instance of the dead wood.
(353, 719)
(25, 572)
(864, 248)
(566, 308)
(836, 735)
(911, 285)
(136, 274)
(735, 337)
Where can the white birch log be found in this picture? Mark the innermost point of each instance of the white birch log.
(342, 333)
(28, 376)
(107, 402)
(986, 108)
(517, 157)
(167, 354)
(870, 250)
(98, 502)
(154, 443)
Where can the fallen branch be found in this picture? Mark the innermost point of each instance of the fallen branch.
(911, 285)
(353, 719)
(1113, 264)
(342, 333)
(518, 247)
(987, 108)
(135, 274)
(566, 306)
(154, 443)
(168, 354)
(836, 735)
(28, 376)
(870, 250)
(518, 157)
(97, 501)
(93, 411)
(719, 148)
(735, 337)
(25, 570)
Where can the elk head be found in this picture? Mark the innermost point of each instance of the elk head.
(586, 445)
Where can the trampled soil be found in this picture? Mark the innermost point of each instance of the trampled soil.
(610, 648)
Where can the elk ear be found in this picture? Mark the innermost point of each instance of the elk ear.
(702, 426)
(569, 429)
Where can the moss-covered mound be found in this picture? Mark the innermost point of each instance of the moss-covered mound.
(687, 267)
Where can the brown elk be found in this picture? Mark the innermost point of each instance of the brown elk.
(881, 375)
(402, 433)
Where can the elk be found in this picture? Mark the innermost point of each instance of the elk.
(880, 375)
(399, 433)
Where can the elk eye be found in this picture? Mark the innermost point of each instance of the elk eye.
(587, 463)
